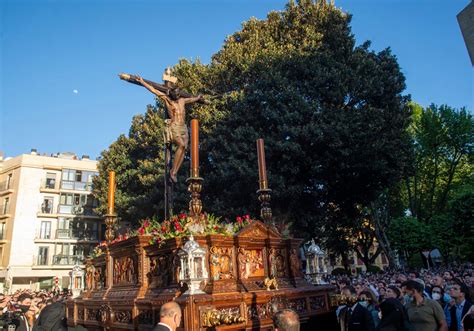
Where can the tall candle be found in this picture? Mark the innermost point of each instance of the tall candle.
(194, 148)
(111, 195)
(262, 169)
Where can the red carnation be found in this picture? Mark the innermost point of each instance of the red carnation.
(141, 230)
(239, 219)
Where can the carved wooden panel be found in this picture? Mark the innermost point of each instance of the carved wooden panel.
(80, 313)
(145, 317)
(125, 270)
(298, 305)
(92, 314)
(123, 316)
(277, 262)
(250, 263)
(221, 265)
(317, 303)
(259, 311)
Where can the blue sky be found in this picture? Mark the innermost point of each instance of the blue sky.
(59, 89)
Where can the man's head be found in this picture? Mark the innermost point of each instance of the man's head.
(459, 292)
(412, 287)
(170, 314)
(286, 320)
(393, 292)
(413, 274)
(359, 288)
(438, 281)
(24, 301)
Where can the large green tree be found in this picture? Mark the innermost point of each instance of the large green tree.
(332, 115)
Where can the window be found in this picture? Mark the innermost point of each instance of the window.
(68, 174)
(66, 199)
(64, 223)
(78, 176)
(47, 205)
(42, 255)
(45, 230)
(50, 180)
(3, 233)
(9, 181)
(6, 206)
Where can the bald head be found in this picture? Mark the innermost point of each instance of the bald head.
(170, 314)
(286, 320)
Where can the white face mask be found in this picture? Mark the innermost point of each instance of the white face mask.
(436, 296)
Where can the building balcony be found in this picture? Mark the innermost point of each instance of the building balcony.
(82, 235)
(77, 210)
(76, 186)
(6, 187)
(67, 259)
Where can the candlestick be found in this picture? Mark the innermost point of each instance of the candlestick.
(262, 169)
(194, 148)
(111, 195)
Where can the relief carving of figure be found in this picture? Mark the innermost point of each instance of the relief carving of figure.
(244, 263)
(98, 278)
(277, 263)
(90, 270)
(214, 260)
(295, 264)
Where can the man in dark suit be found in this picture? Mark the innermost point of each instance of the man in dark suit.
(354, 317)
(52, 318)
(456, 313)
(24, 303)
(170, 317)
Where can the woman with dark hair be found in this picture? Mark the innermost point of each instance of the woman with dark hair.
(393, 316)
(437, 294)
(367, 299)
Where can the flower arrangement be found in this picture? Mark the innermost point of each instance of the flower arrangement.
(180, 225)
(98, 250)
(183, 225)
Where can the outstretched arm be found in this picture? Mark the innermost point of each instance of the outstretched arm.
(193, 99)
(153, 90)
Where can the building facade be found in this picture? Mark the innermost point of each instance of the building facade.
(47, 222)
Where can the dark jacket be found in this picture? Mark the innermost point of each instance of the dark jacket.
(452, 311)
(160, 327)
(357, 320)
(52, 318)
(393, 316)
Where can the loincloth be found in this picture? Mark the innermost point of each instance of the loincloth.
(175, 131)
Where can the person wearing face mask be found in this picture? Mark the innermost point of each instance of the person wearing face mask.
(355, 317)
(437, 294)
(170, 317)
(424, 314)
(24, 303)
(367, 300)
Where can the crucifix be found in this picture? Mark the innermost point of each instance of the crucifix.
(176, 133)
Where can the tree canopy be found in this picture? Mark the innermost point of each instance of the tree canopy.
(332, 115)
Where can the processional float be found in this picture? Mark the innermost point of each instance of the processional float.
(229, 282)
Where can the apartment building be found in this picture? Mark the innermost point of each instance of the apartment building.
(47, 222)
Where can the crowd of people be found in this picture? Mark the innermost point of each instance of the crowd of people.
(426, 300)
(33, 310)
